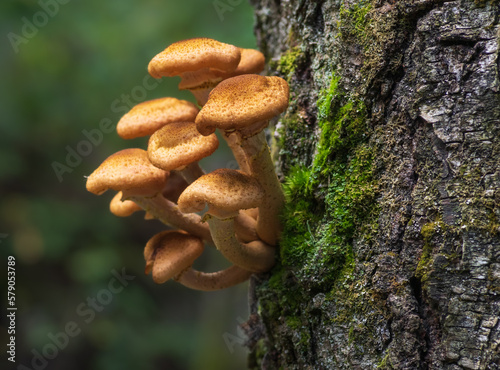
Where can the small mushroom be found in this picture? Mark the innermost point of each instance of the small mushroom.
(241, 107)
(226, 192)
(179, 146)
(170, 255)
(131, 172)
(149, 116)
(122, 208)
(196, 61)
(252, 61)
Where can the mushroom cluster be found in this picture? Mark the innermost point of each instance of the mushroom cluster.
(242, 206)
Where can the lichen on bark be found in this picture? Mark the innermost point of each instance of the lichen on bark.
(389, 152)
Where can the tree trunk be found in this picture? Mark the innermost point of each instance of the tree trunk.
(389, 154)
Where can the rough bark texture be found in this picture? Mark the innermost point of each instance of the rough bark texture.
(389, 154)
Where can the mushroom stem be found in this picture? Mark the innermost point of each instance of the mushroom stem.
(261, 167)
(215, 280)
(234, 142)
(199, 83)
(254, 256)
(245, 227)
(168, 213)
(192, 172)
(201, 95)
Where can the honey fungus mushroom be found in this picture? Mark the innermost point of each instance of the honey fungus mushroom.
(226, 192)
(179, 146)
(197, 62)
(241, 107)
(131, 172)
(147, 117)
(170, 255)
(251, 62)
(123, 208)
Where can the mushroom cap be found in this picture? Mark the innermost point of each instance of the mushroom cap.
(129, 171)
(206, 78)
(243, 101)
(225, 192)
(169, 253)
(192, 55)
(147, 117)
(179, 144)
(252, 61)
(123, 208)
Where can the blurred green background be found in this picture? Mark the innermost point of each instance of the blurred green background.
(59, 77)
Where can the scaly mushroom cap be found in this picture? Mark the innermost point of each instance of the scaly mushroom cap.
(123, 208)
(147, 117)
(241, 102)
(192, 55)
(179, 144)
(130, 171)
(225, 192)
(169, 253)
(252, 61)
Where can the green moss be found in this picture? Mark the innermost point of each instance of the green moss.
(293, 322)
(354, 21)
(385, 363)
(288, 62)
(328, 202)
(325, 99)
(342, 125)
(424, 264)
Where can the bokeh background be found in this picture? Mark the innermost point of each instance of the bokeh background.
(62, 75)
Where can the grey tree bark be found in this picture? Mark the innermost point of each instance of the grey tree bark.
(389, 154)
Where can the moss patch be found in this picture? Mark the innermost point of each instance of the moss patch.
(288, 62)
(329, 201)
(354, 21)
(424, 265)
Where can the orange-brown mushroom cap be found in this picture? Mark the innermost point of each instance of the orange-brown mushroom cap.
(178, 145)
(130, 171)
(122, 208)
(242, 101)
(147, 117)
(225, 192)
(169, 253)
(192, 55)
(252, 61)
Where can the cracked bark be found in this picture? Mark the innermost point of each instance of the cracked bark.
(424, 290)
